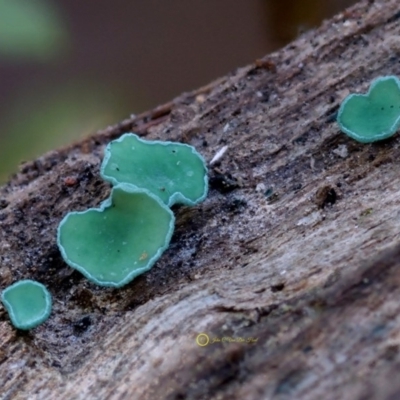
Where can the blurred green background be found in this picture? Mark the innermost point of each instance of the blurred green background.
(69, 67)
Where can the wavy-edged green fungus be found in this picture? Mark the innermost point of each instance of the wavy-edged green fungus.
(28, 303)
(373, 116)
(174, 172)
(123, 238)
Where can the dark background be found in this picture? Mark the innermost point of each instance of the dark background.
(69, 67)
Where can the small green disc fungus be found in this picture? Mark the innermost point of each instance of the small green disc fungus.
(375, 115)
(174, 172)
(28, 303)
(123, 238)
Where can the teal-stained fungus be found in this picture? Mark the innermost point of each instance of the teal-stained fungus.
(28, 303)
(174, 172)
(123, 238)
(375, 115)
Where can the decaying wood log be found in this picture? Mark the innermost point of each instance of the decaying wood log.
(294, 255)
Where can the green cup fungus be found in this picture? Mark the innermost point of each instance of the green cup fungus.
(113, 244)
(375, 115)
(174, 172)
(28, 303)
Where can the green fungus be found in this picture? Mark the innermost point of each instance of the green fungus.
(28, 303)
(373, 116)
(174, 172)
(113, 244)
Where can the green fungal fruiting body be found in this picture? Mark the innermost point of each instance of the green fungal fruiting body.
(113, 244)
(375, 115)
(174, 172)
(28, 303)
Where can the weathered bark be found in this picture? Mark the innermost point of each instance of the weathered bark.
(311, 271)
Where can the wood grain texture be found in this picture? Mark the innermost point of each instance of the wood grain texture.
(296, 246)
